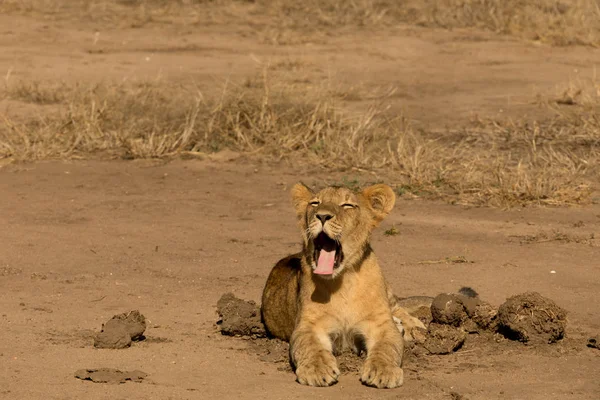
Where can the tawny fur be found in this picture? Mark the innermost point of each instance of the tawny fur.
(353, 307)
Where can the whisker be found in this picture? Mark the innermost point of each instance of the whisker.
(309, 233)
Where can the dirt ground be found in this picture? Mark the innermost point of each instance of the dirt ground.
(83, 240)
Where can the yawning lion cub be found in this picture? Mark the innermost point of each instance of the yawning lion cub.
(333, 293)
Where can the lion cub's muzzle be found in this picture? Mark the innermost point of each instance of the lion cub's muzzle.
(328, 255)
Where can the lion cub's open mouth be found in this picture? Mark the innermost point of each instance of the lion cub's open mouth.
(328, 254)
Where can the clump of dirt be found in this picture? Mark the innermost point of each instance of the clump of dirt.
(594, 342)
(485, 316)
(464, 309)
(110, 375)
(531, 317)
(121, 330)
(239, 317)
(527, 317)
(448, 309)
(444, 339)
(134, 322)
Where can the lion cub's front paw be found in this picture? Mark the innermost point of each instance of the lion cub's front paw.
(410, 327)
(381, 375)
(320, 370)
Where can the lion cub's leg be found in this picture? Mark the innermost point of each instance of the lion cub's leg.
(408, 322)
(312, 356)
(385, 347)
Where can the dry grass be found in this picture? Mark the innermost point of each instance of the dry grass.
(36, 93)
(551, 21)
(558, 236)
(558, 22)
(577, 92)
(493, 163)
(393, 231)
(448, 260)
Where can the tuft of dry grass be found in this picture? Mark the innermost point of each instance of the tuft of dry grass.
(35, 93)
(577, 92)
(393, 231)
(558, 236)
(496, 163)
(557, 22)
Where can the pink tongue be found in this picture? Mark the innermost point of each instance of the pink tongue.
(325, 262)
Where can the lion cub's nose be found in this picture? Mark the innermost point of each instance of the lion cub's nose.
(324, 216)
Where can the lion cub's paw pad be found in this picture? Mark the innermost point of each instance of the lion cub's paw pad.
(381, 375)
(323, 371)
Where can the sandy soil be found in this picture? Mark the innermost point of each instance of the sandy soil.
(82, 241)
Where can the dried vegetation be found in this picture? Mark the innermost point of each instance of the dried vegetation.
(499, 163)
(558, 22)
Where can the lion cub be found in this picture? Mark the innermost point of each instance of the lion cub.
(333, 293)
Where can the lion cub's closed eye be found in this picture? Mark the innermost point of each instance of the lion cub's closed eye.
(334, 287)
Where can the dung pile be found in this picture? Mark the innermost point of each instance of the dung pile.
(464, 309)
(531, 317)
(443, 339)
(453, 315)
(119, 331)
(450, 319)
(238, 317)
(528, 317)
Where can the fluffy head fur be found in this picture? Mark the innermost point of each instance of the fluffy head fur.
(340, 219)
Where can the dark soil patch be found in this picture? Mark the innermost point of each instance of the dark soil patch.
(594, 342)
(110, 375)
(277, 351)
(270, 350)
(348, 362)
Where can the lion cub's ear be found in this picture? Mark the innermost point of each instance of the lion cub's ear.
(381, 198)
(301, 195)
